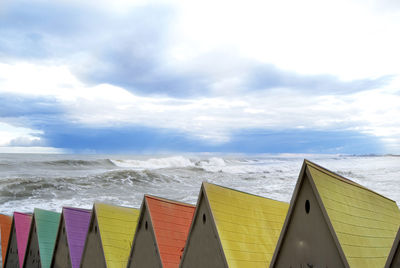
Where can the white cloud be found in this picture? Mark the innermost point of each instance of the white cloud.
(31, 150)
(10, 134)
(374, 112)
(350, 39)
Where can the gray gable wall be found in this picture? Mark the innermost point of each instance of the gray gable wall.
(93, 254)
(308, 241)
(144, 252)
(61, 257)
(203, 248)
(32, 254)
(11, 259)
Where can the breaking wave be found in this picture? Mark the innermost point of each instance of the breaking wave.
(155, 163)
(51, 182)
(171, 162)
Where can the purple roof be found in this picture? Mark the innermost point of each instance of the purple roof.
(22, 226)
(76, 225)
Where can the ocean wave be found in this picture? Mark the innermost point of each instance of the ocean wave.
(211, 164)
(79, 163)
(132, 177)
(44, 188)
(349, 174)
(173, 162)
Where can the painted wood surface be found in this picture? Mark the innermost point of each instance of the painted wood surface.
(394, 256)
(76, 225)
(22, 224)
(364, 221)
(117, 226)
(47, 227)
(5, 228)
(171, 222)
(248, 226)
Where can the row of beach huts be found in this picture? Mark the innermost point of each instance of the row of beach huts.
(330, 222)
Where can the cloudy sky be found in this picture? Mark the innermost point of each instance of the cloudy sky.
(250, 76)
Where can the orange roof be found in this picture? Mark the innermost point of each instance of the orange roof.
(171, 222)
(5, 226)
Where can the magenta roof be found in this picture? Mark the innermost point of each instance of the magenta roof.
(22, 226)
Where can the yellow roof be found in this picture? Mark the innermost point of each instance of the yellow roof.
(248, 225)
(364, 221)
(117, 226)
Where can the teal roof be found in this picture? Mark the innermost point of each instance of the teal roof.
(46, 226)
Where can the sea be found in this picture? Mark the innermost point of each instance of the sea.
(50, 181)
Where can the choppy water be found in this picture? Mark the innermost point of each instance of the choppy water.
(53, 181)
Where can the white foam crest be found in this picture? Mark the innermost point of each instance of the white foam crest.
(216, 164)
(155, 163)
(212, 162)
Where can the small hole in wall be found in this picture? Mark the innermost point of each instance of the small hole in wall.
(204, 218)
(307, 206)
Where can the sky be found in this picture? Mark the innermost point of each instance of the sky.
(123, 76)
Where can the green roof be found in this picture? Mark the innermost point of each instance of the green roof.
(365, 222)
(46, 227)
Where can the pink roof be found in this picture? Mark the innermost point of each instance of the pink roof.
(22, 224)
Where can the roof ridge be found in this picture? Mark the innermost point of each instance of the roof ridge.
(343, 179)
(254, 195)
(170, 201)
(77, 209)
(22, 213)
(112, 205)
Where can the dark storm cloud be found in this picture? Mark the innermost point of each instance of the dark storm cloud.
(268, 76)
(13, 105)
(145, 139)
(30, 112)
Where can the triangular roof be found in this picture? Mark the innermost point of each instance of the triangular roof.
(76, 225)
(170, 223)
(362, 222)
(46, 223)
(22, 223)
(5, 228)
(394, 253)
(76, 222)
(117, 227)
(247, 225)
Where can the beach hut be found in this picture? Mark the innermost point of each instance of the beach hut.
(20, 227)
(110, 236)
(233, 229)
(393, 260)
(71, 238)
(335, 222)
(41, 240)
(5, 227)
(161, 233)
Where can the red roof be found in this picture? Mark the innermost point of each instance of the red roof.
(171, 222)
